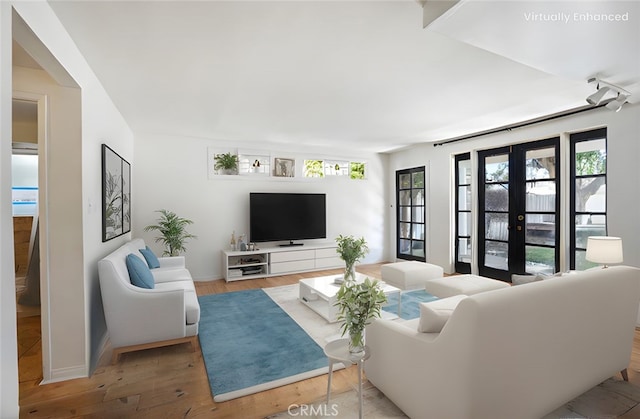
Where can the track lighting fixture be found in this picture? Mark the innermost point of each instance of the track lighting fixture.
(615, 103)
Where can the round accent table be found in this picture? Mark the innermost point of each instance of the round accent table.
(338, 351)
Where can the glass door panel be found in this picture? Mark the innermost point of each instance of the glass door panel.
(496, 255)
(464, 224)
(494, 212)
(540, 260)
(540, 229)
(464, 198)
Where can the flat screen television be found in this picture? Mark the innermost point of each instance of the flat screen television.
(287, 217)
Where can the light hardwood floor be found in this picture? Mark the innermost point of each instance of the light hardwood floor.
(171, 382)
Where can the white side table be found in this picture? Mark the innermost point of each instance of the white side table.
(338, 351)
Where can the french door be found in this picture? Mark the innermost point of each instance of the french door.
(518, 226)
(411, 216)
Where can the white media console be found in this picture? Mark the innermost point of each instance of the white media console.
(273, 261)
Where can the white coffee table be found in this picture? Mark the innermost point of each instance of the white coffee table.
(319, 294)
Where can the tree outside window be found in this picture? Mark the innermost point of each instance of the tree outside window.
(357, 170)
(314, 168)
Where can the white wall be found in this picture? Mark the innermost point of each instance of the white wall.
(171, 173)
(8, 343)
(98, 121)
(623, 177)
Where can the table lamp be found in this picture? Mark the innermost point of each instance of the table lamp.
(604, 250)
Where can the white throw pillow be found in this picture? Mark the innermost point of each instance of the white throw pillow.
(524, 279)
(434, 314)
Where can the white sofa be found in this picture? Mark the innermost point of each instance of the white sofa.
(517, 352)
(139, 318)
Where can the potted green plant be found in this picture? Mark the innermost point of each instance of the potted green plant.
(351, 250)
(226, 163)
(358, 303)
(173, 233)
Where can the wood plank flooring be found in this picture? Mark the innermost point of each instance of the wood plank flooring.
(171, 382)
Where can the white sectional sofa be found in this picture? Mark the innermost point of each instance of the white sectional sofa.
(517, 352)
(139, 318)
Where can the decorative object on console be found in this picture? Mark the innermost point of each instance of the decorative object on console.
(358, 303)
(351, 250)
(173, 232)
(116, 194)
(604, 250)
(226, 163)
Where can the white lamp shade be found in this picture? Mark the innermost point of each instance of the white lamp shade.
(604, 249)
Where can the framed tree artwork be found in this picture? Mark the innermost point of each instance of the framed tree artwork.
(116, 194)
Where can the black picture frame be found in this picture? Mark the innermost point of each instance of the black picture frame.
(116, 194)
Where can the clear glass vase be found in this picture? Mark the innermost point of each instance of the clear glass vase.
(350, 273)
(356, 342)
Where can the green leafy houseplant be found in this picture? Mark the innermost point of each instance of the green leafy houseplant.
(173, 234)
(358, 303)
(351, 250)
(227, 163)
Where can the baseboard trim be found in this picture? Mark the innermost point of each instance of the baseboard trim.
(64, 374)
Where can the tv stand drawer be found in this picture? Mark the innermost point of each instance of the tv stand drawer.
(292, 255)
(292, 266)
(328, 252)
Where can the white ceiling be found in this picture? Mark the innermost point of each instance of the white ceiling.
(360, 75)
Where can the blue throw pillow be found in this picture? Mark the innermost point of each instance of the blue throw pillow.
(152, 259)
(139, 272)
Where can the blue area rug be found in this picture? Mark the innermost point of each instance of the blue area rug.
(250, 344)
(410, 303)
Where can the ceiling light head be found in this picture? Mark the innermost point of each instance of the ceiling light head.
(596, 98)
(616, 105)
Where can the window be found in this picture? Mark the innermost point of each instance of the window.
(410, 204)
(314, 168)
(588, 192)
(463, 213)
(254, 162)
(336, 168)
(357, 170)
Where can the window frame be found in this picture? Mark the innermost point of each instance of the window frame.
(585, 136)
(460, 266)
